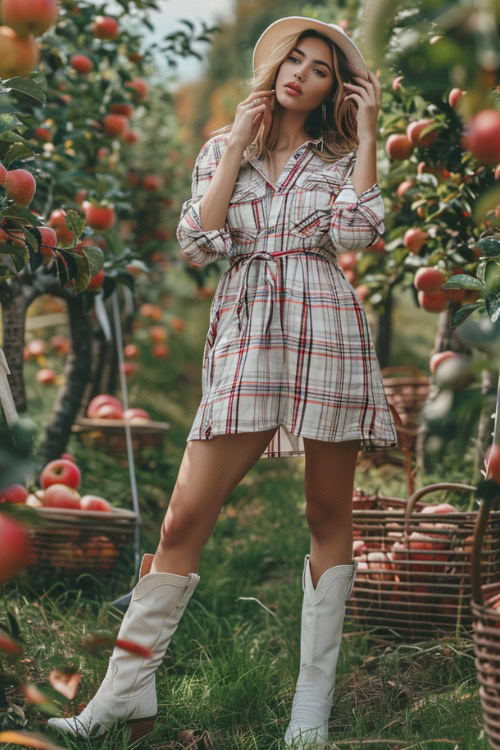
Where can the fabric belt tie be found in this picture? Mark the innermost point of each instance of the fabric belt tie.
(270, 277)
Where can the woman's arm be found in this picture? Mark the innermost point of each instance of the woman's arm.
(356, 220)
(215, 201)
(203, 232)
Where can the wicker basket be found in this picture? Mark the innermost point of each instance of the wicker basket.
(70, 542)
(413, 574)
(407, 389)
(485, 603)
(110, 435)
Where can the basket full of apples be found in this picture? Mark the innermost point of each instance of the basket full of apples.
(104, 426)
(76, 533)
(414, 563)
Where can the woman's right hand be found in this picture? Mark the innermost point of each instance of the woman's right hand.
(250, 114)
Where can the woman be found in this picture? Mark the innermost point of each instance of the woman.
(288, 365)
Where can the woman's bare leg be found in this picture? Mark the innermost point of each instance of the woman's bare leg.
(329, 485)
(209, 471)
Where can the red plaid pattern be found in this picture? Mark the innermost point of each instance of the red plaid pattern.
(288, 343)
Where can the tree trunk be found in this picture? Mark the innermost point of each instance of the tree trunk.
(384, 332)
(77, 375)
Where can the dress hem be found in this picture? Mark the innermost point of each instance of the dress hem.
(368, 444)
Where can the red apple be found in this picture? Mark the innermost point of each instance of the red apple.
(435, 302)
(493, 462)
(67, 557)
(115, 124)
(428, 280)
(29, 16)
(82, 64)
(140, 87)
(61, 496)
(399, 146)
(99, 216)
(20, 185)
(135, 413)
(60, 471)
(16, 493)
(415, 128)
(46, 376)
(18, 54)
(109, 411)
(97, 401)
(100, 551)
(94, 502)
(105, 27)
(414, 238)
(482, 136)
(96, 281)
(15, 547)
(454, 96)
(122, 108)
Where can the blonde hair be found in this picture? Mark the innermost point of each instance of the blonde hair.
(340, 133)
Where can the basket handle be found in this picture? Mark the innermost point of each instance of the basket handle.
(432, 488)
(477, 545)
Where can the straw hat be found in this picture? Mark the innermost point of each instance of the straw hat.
(293, 24)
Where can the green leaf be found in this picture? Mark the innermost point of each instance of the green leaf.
(26, 86)
(463, 312)
(480, 270)
(489, 246)
(95, 258)
(11, 136)
(136, 263)
(493, 306)
(7, 122)
(21, 212)
(15, 152)
(462, 281)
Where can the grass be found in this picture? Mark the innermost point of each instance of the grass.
(229, 674)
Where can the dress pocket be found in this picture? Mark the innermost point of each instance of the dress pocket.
(245, 207)
(304, 218)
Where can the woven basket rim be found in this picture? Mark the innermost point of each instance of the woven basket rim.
(88, 422)
(97, 514)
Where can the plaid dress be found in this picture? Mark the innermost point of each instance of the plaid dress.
(288, 343)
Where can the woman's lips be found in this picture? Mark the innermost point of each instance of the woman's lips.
(291, 91)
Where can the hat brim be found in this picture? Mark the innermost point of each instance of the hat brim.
(294, 24)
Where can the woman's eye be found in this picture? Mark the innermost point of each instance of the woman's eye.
(323, 75)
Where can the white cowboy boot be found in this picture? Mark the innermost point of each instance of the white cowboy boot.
(323, 610)
(128, 691)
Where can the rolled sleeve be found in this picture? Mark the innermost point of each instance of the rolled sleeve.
(202, 246)
(356, 221)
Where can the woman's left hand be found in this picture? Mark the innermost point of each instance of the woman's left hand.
(367, 96)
